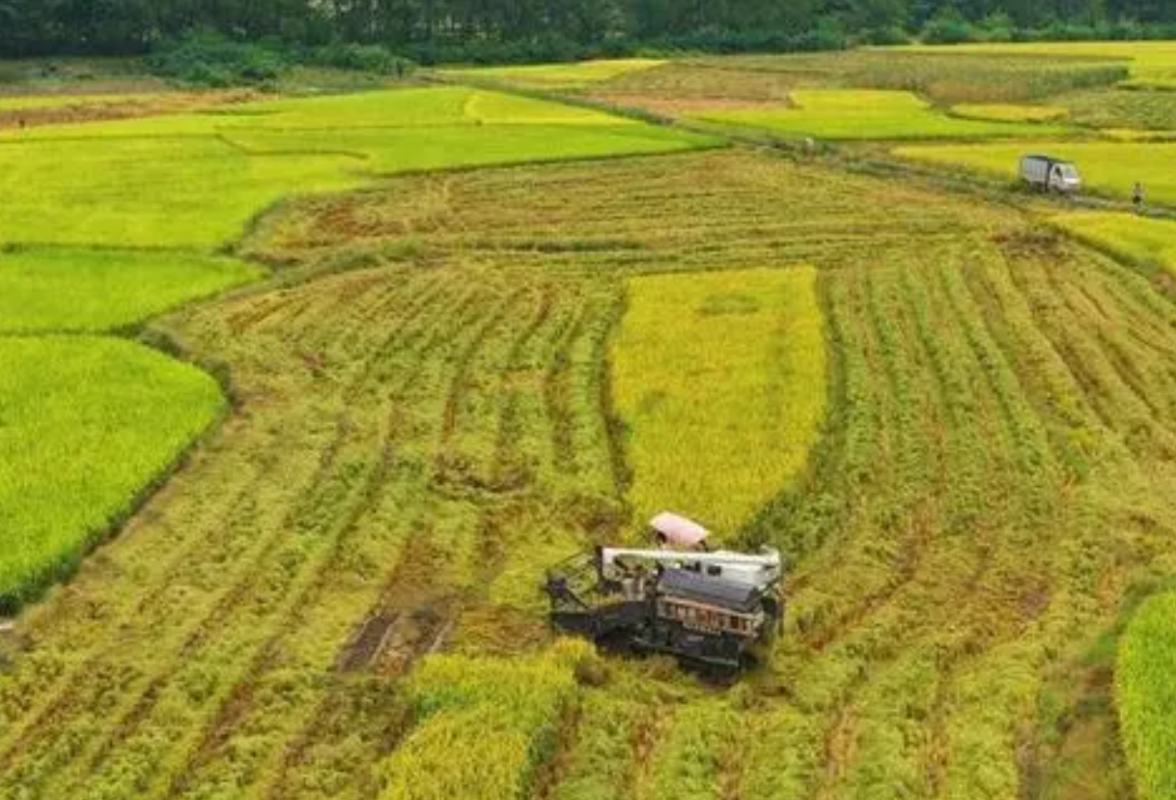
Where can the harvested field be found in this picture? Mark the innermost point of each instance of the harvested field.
(27, 111)
(1009, 112)
(945, 79)
(426, 422)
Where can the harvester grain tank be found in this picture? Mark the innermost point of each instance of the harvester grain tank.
(1049, 174)
(716, 609)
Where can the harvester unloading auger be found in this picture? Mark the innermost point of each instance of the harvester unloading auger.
(713, 609)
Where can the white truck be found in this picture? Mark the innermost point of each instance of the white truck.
(1049, 174)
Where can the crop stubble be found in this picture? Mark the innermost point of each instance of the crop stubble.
(991, 485)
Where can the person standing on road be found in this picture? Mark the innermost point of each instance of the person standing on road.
(1137, 197)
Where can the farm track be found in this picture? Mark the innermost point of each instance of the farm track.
(414, 438)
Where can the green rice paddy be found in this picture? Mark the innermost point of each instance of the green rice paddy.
(87, 424)
(98, 290)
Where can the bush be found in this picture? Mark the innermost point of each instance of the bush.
(947, 27)
(212, 60)
(361, 58)
(886, 36)
(998, 27)
(209, 59)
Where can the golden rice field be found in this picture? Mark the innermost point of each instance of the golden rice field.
(713, 377)
(1140, 240)
(86, 422)
(855, 114)
(1145, 691)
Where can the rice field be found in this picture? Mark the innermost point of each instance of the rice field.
(1150, 243)
(1153, 64)
(946, 79)
(1146, 697)
(1108, 168)
(335, 598)
(45, 101)
(953, 416)
(719, 379)
(112, 223)
(86, 423)
(1009, 112)
(196, 180)
(98, 290)
(870, 114)
(1141, 112)
(558, 76)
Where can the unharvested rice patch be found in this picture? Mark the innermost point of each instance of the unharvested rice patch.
(85, 424)
(721, 380)
(868, 114)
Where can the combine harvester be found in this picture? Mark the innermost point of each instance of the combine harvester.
(715, 610)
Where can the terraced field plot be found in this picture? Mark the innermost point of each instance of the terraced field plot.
(1150, 243)
(1153, 64)
(100, 290)
(1146, 695)
(85, 423)
(196, 180)
(1009, 112)
(559, 76)
(1109, 168)
(862, 114)
(427, 422)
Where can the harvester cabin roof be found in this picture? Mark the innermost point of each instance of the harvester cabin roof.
(679, 532)
(690, 585)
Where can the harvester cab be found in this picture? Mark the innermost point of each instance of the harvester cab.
(714, 609)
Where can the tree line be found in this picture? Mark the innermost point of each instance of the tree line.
(524, 29)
